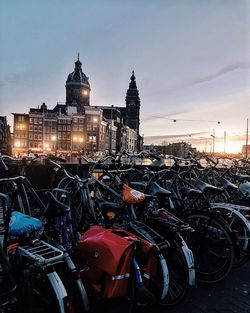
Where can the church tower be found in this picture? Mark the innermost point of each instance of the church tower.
(77, 88)
(133, 105)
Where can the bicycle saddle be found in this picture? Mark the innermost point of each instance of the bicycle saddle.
(21, 224)
(245, 189)
(189, 192)
(54, 207)
(157, 190)
(226, 184)
(141, 186)
(241, 177)
(105, 205)
(207, 188)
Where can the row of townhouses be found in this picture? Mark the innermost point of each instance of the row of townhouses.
(76, 126)
(5, 136)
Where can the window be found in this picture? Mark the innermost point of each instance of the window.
(53, 129)
(35, 120)
(31, 127)
(40, 137)
(68, 127)
(40, 128)
(35, 136)
(20, 118)
(35, 128)
(59, 127)
(31, 119)
(64, 127)
(30, 136)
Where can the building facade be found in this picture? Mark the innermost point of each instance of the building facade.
(5, 136)
(76, 126)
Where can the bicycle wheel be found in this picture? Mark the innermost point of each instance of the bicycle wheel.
(74, 285)
(177, 266)
(212, 246)
(241, 230)
(38, 290)
(82, 212)
(41, 293)
(76, 201)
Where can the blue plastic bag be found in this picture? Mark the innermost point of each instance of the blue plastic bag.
(21, 223)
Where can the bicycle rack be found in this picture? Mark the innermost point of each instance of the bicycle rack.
(42, 253)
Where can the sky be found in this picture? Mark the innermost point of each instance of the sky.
(191, 60)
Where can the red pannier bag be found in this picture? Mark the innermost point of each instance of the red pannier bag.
(108, 258)
(146, 256)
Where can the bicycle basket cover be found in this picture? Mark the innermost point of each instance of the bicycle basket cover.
(22, 223)
(131, 195)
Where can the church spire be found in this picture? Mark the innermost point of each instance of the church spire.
(133, 105)
(132, 84)
(78, 64)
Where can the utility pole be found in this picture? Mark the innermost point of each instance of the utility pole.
(225, 141)
(247, 141)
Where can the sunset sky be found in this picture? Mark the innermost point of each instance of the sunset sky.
(191, 60)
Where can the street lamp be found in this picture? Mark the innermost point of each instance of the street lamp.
(213, 136)
(53, 138)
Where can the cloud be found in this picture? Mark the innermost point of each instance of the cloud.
(162, 115)
(227, 69)
(163, 137)
(14, 78)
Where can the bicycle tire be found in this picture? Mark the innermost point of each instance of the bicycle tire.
(241, 230)
(76, 201)
(210, 239)
(38, 295)
(177, 265)
(81, 210)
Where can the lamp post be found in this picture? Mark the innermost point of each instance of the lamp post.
(53, 138)
(213, 136)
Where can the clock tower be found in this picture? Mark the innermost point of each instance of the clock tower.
(133, 105)
(77, 88)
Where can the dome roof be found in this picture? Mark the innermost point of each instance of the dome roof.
(77, 76)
